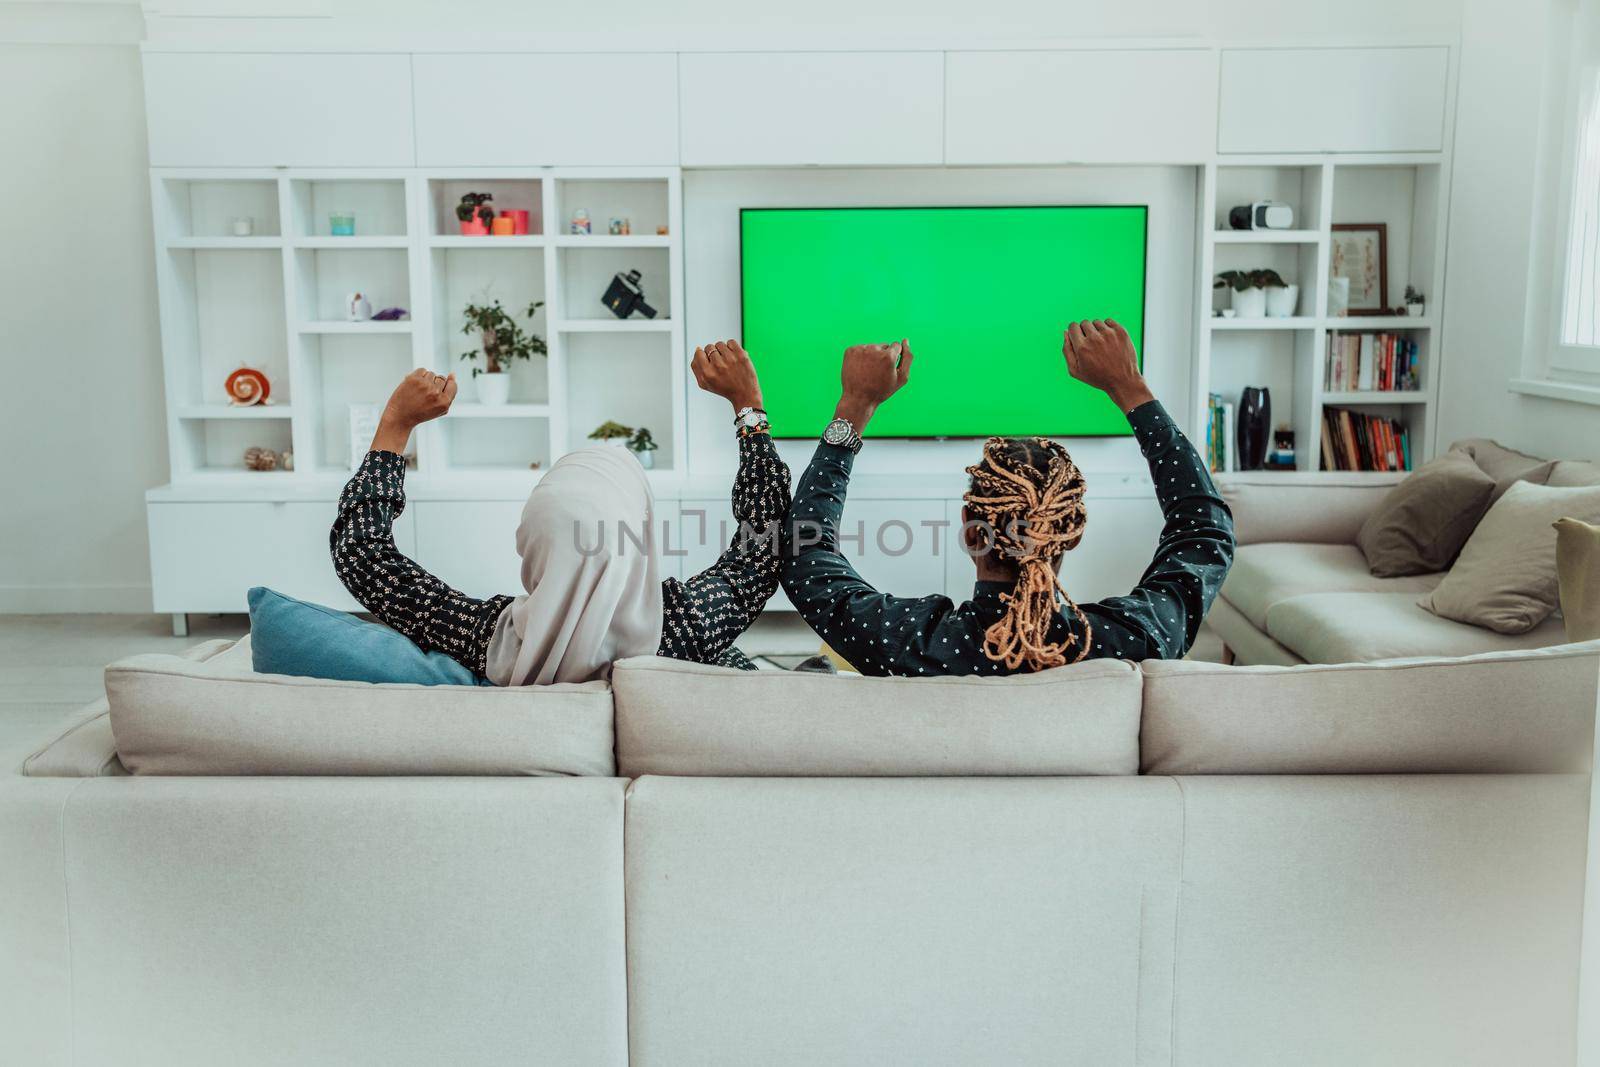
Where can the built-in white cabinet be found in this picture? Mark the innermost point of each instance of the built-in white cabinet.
(527, 109)
(1333, 99)
(278, 110)
(471, 544)
(775, 109)
(1133, 106)
(205, 555)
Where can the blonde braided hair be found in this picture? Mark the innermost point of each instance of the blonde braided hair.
(1030, 493)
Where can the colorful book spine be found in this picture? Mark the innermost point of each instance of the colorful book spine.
(1372, 362)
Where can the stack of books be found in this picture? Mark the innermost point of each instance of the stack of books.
(1220, 455)
(1352, 441)
(1372, 362)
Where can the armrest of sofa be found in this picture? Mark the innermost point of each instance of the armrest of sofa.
(1323, 508)
(84, 749)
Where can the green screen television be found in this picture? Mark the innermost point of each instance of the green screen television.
(982, 293)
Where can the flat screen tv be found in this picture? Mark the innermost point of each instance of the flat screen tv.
(982, 293)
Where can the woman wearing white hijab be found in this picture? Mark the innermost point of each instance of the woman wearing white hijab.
(587, 541)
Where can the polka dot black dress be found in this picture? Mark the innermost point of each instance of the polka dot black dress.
(888, 635)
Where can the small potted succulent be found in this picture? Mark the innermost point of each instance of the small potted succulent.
(612, 433)
(1414, 302)
(644, 446)
(502, 341)
(475, 214)
(1258, 293)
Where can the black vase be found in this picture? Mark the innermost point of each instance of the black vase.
(1254, 427)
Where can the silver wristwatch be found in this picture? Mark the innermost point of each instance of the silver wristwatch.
(749, 418)
(840, 432)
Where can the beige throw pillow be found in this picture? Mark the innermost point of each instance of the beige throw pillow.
(1578, 573)
(1421, 524)
(1505, 578)
(1505, 465)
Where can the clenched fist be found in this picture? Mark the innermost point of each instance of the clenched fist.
(724, 368)
(1100, 353)
(420, 397)
(871, 375)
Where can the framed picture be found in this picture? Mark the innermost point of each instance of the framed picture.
(1361, 253)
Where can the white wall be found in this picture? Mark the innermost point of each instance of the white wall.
(81, 425)
(1504, 53)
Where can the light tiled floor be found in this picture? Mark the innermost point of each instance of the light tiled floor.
(50, 665)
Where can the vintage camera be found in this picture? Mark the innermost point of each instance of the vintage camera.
(624, 297)
(1262, 215)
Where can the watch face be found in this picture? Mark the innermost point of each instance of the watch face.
(837, 433)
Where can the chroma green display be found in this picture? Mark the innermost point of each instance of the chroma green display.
(982, 293)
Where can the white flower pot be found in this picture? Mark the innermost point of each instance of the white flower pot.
(494, 389)
(1249, 303)
(1281, 301)
(647, 460)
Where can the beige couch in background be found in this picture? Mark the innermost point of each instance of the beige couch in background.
(1300, 591)
(1180, 864)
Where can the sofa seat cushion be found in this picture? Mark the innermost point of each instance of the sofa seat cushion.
(1267, 574)
(690, 719)
(1522, 712)
(216, 716)
(1358, 627)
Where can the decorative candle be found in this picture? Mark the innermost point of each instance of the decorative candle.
(342, 223)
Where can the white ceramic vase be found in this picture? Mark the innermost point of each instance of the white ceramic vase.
(1249, 303)
(1282, 300)
(494, 389)
(647, 460)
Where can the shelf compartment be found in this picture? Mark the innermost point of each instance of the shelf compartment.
(379, 206)
(587, 272)
(1281, 361)
(642, 201)
(601, 240)
(196, 208)
(217, 445)
(516, 193)
(501, 446)
(486, 241)
(1406, 200)
(326, 277)
(626, 379)
(225, 243)
(343, 369)
(1300, 187)
(225, 311)
(351, 242)
(475, 275)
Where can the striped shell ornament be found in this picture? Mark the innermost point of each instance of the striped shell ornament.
(247, 386)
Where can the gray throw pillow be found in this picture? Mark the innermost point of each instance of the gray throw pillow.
(1504, 465)
(1506, 578)
(1421, 524)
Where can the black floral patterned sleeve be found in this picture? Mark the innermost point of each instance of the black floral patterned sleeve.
(392, 586)
(705, 614)
(701, 616)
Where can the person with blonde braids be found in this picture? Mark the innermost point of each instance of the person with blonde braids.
(1023, 510)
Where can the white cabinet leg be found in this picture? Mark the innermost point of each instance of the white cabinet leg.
(180, 624)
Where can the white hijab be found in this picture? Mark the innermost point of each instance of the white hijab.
(594, 596)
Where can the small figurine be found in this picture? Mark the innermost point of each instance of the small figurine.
(357, 308)
(390, 315)
(257, 458)
(580, 223)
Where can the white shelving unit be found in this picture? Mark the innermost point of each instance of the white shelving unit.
(274, 300)
(1288, 355)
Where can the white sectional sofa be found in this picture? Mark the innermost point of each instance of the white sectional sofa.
(1180, 864)
(1300, 590)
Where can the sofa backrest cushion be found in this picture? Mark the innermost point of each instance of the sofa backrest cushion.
(172, 716)
(1505, 465)
(1495, 713)
(689, 719)
(1575, 472)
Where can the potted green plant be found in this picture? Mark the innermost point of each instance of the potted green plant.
(1250, 292)
(475, 214)
(502, 341)
(644, 446)
(612, 433)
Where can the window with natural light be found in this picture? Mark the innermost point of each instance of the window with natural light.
(1580, 319)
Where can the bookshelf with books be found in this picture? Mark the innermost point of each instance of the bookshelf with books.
(1377, 360)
